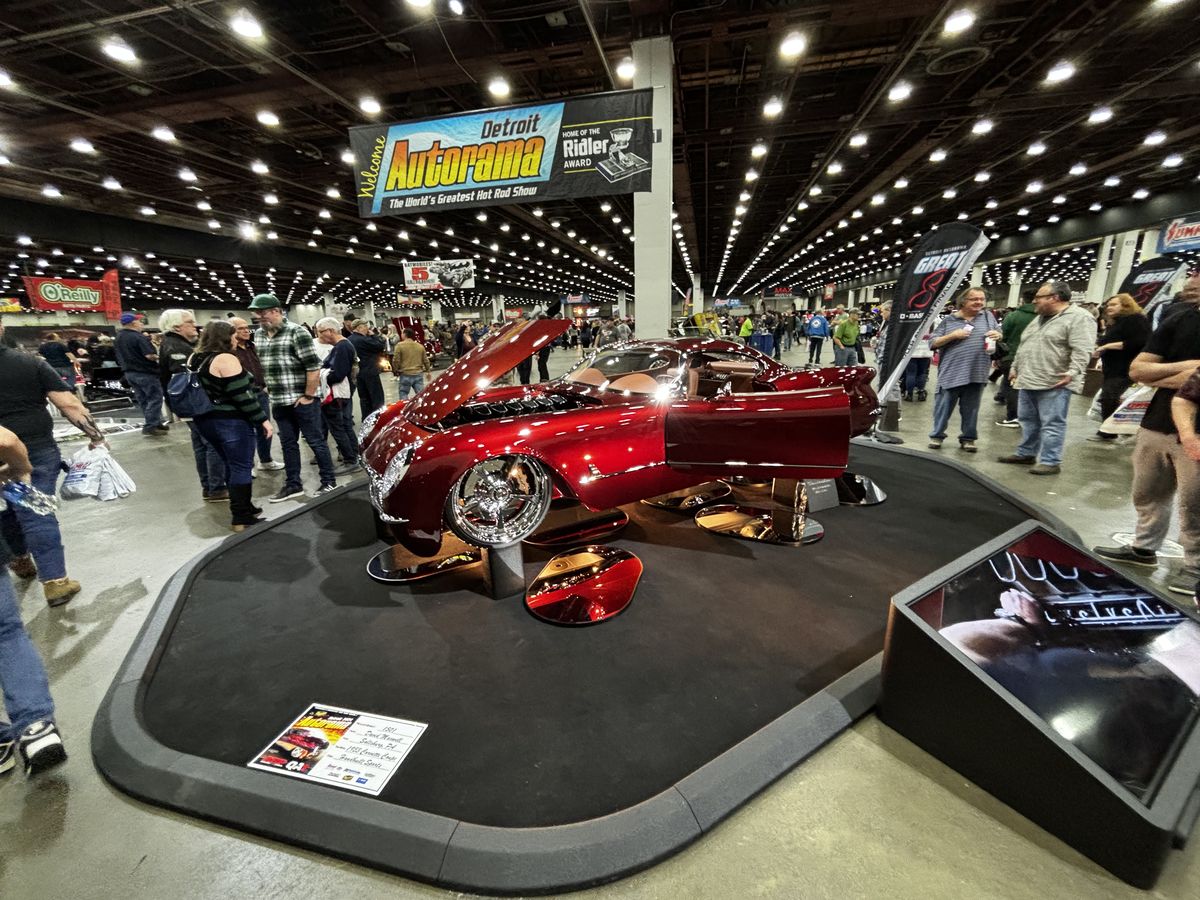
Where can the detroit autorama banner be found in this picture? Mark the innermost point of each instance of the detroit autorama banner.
(583, 147)
(76, 295)
(439, 274)
(938, 265)
(1150, 281)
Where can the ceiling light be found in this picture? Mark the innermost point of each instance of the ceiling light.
(324, 214)
(6, 80)
(1033, 187)
(333, 193)
(246, 25)
(901, 184)
(751, 175)
(1023, 211)
(793, 45)
(1095, 207)
(1078, 169)
(1112, 181)
(270, 199)
(213, 223)
(418, 4)
(1141, 194)
(626, 69)
(148, 211)
(258, 167)
(759, 150)
(1059, 199)
(1060, 72)
(815, 191)
(348, 157)
(499, 87)
(370, 106)
(1100, 115)
(1154, 138)
(959, 21)
(186, 174)
(163, 133)
(116, 48)
(1172, 161)
(918, 210)
(268, 118)
(51, 191)
(82, 145)
(982, 126)
(1037, 148)
(937, 156)
(111, 184)
(772, 107)
(991, 204)
(858, 140)
(949, 194)
(901, 90)
(4, 160)
(981, 177)
(1053, 219)
(24, 240)
(878, 199)
(203, 205)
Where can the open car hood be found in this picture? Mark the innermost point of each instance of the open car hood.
(477, 369)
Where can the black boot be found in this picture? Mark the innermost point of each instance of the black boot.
(240, 507)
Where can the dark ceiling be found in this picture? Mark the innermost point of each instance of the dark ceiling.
(318, 58)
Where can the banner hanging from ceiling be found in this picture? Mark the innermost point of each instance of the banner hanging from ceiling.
(1180, 234)
(439, 274)
(75, 295)
(931, 274)
(1149, 282)
(587, 146)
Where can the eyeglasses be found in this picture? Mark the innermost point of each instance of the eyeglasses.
(1042, 296)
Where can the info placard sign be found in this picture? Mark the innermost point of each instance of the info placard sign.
(341, 747)
(582, 147)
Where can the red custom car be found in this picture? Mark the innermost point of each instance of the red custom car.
(632, 420)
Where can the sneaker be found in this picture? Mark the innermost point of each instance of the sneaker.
(60, 590)
(1101, 438)
(1182, 583)
(1042, 469)
(41, 747)
(23, 566)
(325, 489)
(922, 396)
(1126, 553)
(287, 493)
(1016, 460)
(221, 496)
(908, 396)
(270, 465)
(968, 446)
(157, 431)
(1009, 423)
(935, 443)
(8, 757)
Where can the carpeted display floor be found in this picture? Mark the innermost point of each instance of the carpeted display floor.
(531, 724)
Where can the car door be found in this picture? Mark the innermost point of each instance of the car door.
(785, 434)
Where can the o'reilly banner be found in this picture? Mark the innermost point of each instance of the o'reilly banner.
(1149, 282)
(439, 274)
(932, 273)
(583, 147)
(76, 295)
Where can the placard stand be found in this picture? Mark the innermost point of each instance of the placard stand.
(504, 571)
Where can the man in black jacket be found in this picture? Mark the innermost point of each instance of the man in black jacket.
(178, 344)
(369, 348)
(139, 363)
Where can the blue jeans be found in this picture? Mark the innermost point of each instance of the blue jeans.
(26, 532)
(966, 397)
(264, 443)
(1043, 417)
(234, 440)
(916, 374)
(844, 356)
(209, 465)
(149, 393)
(292, 422)
(408, 383)
(339, 417)
(22, 675)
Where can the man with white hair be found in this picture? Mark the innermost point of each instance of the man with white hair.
(292, 370)
(180, 335)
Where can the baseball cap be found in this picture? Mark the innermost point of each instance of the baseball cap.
(126, 318)
(265, 301)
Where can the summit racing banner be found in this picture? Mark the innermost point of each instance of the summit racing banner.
(1149, 282)
(941, 261)
(76, 295)
(583, 147)
(1180, 234)
(438, 274)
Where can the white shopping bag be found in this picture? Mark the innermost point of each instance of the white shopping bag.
(114, 482)
(94, 473)
(1128, 417)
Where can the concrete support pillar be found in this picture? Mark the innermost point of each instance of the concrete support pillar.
(435, 310)
(697, 295)
(1014, 292)
(369, 311)
(621, 307)
(1150, 244)
(977, 277)
(1125, 246)
(497, 307)
(652, 211)
(1099, 277)
(851, 298)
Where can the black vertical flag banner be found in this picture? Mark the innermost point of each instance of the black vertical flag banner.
(1149, 282)
(932, 273)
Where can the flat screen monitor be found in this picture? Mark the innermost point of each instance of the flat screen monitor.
(1108, 666)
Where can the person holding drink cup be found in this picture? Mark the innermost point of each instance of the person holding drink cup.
(966, 340)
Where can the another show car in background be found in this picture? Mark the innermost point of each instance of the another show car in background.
(630, 421)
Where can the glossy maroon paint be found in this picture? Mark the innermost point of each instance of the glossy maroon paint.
(615, 448)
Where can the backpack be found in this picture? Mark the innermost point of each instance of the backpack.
(186, 396)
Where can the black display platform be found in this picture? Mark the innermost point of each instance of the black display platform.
(554, 758)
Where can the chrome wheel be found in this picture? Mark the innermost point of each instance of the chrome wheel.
(499, 501)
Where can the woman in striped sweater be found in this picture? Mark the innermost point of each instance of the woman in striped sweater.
(237, 417)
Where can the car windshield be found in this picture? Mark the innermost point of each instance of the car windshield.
(634, 371)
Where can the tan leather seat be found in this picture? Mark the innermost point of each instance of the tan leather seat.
(590, 376)
(634, 382)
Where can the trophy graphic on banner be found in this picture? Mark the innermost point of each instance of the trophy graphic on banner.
(621, 164)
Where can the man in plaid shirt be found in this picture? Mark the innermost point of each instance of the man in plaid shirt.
(292, 370)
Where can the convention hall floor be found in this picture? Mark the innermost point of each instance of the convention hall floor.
(870, 815)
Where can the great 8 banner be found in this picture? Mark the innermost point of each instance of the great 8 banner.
(932, 273)
(583, 147)
(1150, 281)
(439, 274)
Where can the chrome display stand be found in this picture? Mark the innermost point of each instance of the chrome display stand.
(859, 490)
(692, 498)
(788, 527)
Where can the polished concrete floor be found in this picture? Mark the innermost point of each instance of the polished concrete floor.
(870, 815)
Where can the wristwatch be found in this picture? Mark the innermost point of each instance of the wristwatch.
(309, 396)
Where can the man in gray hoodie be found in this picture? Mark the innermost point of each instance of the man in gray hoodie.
(1054, 353)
